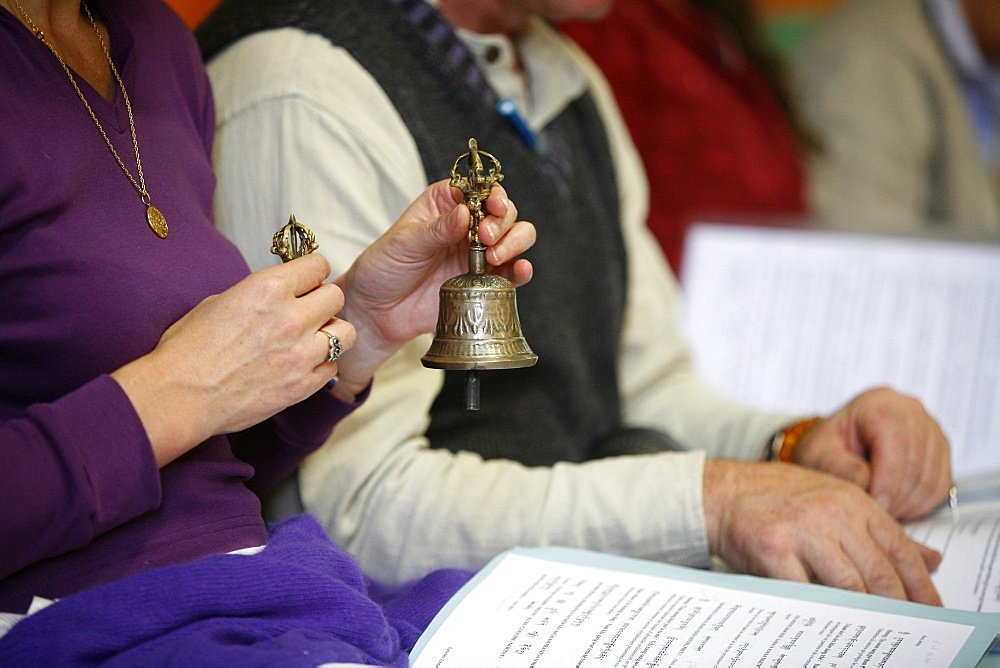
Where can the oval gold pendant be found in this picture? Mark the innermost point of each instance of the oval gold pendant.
(157, 222)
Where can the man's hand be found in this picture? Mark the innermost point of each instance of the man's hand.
(785, 521)
(886, 443)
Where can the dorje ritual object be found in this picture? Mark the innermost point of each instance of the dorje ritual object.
(477, 325)
(293, 240)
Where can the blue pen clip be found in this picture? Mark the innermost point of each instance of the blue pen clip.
(508, 110)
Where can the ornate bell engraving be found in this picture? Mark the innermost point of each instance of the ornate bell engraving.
(477, 325)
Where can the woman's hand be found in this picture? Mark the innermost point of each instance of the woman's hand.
(392, 289)
(243, 355)
(238, 357)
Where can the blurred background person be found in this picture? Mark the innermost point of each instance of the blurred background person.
(705, 99)
(906, 96)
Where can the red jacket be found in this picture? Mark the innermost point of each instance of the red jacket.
(714, 139)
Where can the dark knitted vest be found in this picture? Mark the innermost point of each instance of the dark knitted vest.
(566, 408)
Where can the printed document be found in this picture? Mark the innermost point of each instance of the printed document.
(564, 607)
(801, 321)
(968, 538)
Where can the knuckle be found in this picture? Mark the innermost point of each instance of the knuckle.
(270, 287)
(350, 336)
(335, 295)
(315, 264)
(295, 321)
(848, 581)
(775, 542)
(842, 505)
(881, 578)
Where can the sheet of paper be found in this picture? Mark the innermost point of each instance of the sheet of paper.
(559, 607)
(800, 321)
(969, 541)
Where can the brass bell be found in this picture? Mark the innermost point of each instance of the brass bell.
(478, 327)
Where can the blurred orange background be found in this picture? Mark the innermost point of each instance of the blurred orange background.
(192, 11)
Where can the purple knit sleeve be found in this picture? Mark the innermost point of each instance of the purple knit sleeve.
(71, 470)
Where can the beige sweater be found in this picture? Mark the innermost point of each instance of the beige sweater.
(900, 150)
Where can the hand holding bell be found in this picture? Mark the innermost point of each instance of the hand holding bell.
(478, 327)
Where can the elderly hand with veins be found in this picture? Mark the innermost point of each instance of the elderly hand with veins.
(833, 519)
(785, 521)
(886, 443)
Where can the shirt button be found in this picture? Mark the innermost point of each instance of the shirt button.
(492, 53)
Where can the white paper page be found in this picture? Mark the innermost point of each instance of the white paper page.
(537, 612)
(801, 321)
(969, 541)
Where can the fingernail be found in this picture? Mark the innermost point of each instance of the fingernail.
(496, 261)
(883, 502)
(493, 229)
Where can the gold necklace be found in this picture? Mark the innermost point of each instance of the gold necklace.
(154, 217)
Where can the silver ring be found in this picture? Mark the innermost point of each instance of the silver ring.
(336, 349)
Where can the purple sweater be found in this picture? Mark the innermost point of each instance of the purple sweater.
(300, 602)
(85, 287)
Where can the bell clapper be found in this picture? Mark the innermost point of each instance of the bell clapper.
(472, 390)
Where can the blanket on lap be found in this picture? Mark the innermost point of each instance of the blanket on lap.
(301, 601)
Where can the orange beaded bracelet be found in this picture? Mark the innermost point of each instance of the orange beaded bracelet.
(784, 442)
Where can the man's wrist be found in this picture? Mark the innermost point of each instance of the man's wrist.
(786, 439)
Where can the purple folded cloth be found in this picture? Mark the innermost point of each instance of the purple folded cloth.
(301, 601)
